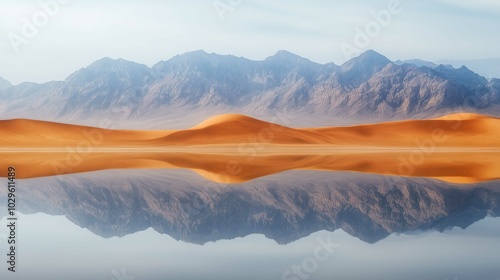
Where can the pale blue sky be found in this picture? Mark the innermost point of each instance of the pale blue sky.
(149, 31)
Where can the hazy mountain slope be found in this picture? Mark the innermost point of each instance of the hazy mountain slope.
(489, 68)
(4, 83)
(417, 62)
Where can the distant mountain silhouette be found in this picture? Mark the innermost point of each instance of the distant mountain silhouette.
(4, 83)
(489, 68)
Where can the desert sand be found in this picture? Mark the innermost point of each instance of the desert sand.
(461, 148)
(453, 131)
(457, 167)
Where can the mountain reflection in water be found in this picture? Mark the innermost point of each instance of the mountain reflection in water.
(284, 207)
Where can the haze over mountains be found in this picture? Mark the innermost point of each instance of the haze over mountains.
(4, 83)
(284, 88)
(488, 68)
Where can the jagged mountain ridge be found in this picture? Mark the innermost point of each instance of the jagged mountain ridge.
(194, 86)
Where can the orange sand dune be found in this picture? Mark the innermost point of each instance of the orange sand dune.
(457, 130)
(454, 131)
(455, 167)
(22, 133)
(460, 148)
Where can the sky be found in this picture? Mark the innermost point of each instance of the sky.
(45, 40)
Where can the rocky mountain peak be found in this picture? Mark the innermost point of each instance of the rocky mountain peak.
(359, 69)
(107, 68)
(368, 88)
(368, 59)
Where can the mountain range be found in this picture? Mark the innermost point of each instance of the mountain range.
(488, 68)
(283, 88)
